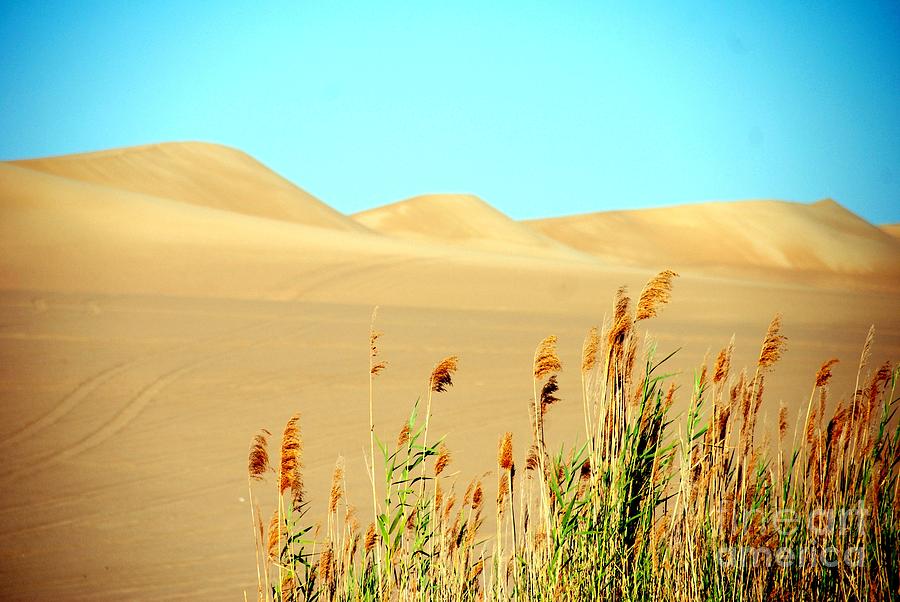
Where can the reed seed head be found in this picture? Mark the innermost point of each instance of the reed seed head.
(258, 460)
(370, 537)
(442, 461)
(403, 437)
(589, 350)
(773, 345)
(442, 375)
(337, 485)
(656, 293)
(824, 373)
(546, 361)
(505, 454)
(291, 463)
(723, 362)
(548, 396)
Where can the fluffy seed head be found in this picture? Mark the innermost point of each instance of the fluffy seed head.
(337, 485)
(622, 323)
(824, 373)
(442, 461)
(782, 421)
(258, 460)
(505, 454)
(773, 344)
(723, 363)
(548, 396)
(370, 537)
(656, 293)
(545, 359)
(291, 464)
(589, 350)
(442, 375)
(403, 437)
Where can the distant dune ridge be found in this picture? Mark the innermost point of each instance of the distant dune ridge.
(819, 237)
(461, 219)
(202, 174)
(173, 217)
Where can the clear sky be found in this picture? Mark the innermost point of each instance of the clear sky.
(540, 108)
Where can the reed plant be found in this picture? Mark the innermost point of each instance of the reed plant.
(652, 505)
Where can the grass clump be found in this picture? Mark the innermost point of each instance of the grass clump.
(649, 506)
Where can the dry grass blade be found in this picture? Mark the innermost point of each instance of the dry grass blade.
(258, 460)
(656, 293)
(442, 375)
(546, 361)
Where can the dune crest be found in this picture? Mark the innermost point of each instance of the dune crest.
(199, 173)
(756, 235)
(462, 220)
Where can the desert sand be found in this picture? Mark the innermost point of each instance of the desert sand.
(161, 303)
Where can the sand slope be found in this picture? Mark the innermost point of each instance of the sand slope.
(203, 174)
(892, 229)
(755, 235)
(462, 220)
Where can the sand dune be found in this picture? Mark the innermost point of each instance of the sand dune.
(462, 220)
(892, 229)
(151, 318)
(203, 174)
(749, 235)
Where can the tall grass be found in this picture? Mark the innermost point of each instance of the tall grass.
(651, 506)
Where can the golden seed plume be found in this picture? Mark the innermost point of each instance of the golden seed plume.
(545, 359)
(502, 490)
(656, 293)
(258, 460)
(273, 538)
(547, 394)
(773, 344)
(532, 462)
(403, 437)
(505, 454)
(370, 537)
(442, 461)
(326, 564)
(589, 350)
(337, 485)
(477, 496)
(723, 362)
(442, 375)
(621, 323)
(824, 373)
(291, 464)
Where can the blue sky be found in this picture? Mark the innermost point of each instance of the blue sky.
(541, 108)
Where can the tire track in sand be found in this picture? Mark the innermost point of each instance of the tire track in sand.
(84, 389)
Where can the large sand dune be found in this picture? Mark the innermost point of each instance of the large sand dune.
(464, 220)
(750, 236)
(202, 174)
(151, 318)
